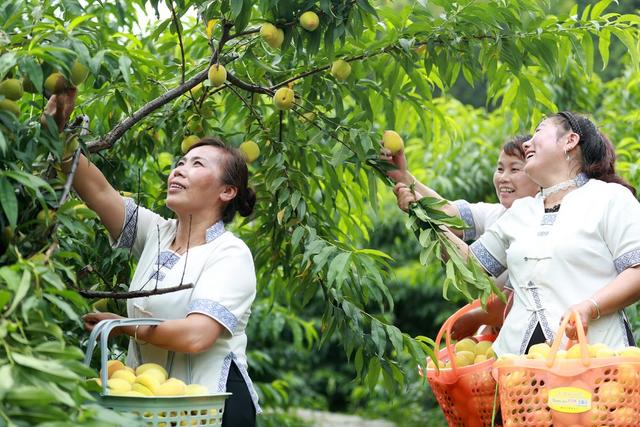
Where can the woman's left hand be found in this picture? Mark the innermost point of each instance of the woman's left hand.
(91, 320)
(584, 309)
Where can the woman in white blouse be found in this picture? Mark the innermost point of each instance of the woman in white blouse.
(575, 246)
(203, 339)
(510, 182)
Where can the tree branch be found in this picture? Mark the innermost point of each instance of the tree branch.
(114, 134)
(248, 86)
(132, 294)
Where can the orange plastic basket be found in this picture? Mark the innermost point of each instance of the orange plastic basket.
(466, 395)
(569, 392)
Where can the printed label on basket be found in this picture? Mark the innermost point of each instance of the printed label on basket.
(572, 400)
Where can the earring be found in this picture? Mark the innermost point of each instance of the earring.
(566, 155)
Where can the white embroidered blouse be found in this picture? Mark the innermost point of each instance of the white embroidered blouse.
(559, 259)
(224, 280)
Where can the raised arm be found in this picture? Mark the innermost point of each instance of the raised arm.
(404, 179)
(94, 189)
(89, 182)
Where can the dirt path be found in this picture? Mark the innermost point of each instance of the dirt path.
(330, 419)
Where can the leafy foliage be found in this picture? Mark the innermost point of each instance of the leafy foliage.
(322, 281)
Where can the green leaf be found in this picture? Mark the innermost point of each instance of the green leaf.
(396, 338)
(338, 268)
(7, 61)
(599, 7)
(379, 337)
(78, 20)
(50, 367)
(373, 372)
(124, 65)
(27, 396)
(8, 201)
(236, 8)
(604, 39)
(20, 291)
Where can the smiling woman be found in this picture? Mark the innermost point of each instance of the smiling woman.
(575, 246)
(510, 182)
(203, 338)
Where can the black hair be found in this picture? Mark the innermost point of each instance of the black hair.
(513, 147)
(598, 153)
(235, 173)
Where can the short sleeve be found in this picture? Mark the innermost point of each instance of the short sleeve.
(227, 286)
(478, 217)
(621, 228)
(138, 222)
(491, 248)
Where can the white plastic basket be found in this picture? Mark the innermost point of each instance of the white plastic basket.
(153, 411)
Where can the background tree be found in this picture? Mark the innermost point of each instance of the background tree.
(332, 255)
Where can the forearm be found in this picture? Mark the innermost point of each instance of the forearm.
(460, 246)
(178, 335)
(93, 188)
(623, 291)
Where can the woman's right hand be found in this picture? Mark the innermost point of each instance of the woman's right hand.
(467, 325)
(401, 173)
(405, 196)
(60, 108)
(92, 319)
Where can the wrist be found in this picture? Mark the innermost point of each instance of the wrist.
(594, 309)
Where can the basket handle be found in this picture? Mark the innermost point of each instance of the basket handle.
(582, 340)
(446, 331)
(103, 329)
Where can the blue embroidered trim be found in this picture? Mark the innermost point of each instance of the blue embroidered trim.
(488, 261)
(581, 179)
(216, 310)
(548, 333)
(224, 373)
(528, 333)
(215, 231)
(549, 218)
(167, 259)
(626, 260)
(128, 233)
(159, 275)
(252, 391)
(467, 216)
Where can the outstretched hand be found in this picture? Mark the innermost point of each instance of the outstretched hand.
(60, 107)
(401, 173)
(92, 319)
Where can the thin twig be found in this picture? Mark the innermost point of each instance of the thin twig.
(176, 22)
(243, 33)
(254, 113)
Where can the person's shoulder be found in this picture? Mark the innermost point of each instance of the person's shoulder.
(230, 242)
(607, 190)
(523, 203)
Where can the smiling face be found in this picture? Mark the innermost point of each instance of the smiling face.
(545, 154)
(195, 186)
(510, 180)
